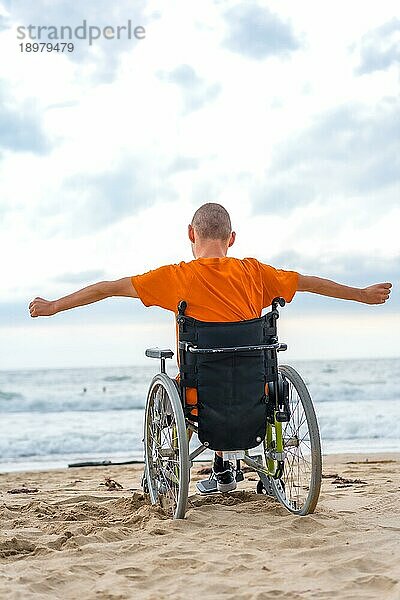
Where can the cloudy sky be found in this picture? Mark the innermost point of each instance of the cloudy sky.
(285, 112)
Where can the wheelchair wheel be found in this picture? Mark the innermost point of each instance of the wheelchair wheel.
(299, 486)
(166, 447)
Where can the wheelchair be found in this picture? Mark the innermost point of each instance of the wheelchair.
(249, 407)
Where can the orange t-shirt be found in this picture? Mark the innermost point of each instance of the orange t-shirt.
(216, 289)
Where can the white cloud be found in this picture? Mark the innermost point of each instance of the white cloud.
(132, 148)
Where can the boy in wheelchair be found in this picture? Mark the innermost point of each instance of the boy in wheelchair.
(217, 289)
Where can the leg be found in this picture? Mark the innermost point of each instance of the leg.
(223, 472)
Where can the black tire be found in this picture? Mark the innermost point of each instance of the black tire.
(299, 486)
(166, 447)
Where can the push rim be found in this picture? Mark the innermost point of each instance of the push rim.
(166, 448)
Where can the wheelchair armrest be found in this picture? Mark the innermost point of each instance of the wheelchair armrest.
(159, 353)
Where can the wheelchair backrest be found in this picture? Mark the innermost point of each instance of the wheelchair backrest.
(232, 410)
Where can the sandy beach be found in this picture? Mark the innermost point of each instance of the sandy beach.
(74, 538)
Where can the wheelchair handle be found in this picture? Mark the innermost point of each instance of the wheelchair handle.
(278, 300)
(188, 346)
(182, 306)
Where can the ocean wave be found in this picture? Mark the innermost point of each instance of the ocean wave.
(74, 390)
(78, 403)
(329, 370)
(73, 444)
(368, 420)
(7, 396)
(130, 397)
(354, 392)
(25, 435)
(47, 413)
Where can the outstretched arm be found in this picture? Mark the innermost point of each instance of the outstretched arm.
(92, 293)
(374, 294)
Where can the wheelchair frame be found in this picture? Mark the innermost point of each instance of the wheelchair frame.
(281, 446)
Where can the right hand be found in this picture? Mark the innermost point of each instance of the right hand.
(376, 294)
(39, 307)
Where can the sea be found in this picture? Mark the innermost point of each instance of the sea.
(52, 417)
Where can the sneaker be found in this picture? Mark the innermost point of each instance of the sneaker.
(225, 477)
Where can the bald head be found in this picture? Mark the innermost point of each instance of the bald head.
(212, 222)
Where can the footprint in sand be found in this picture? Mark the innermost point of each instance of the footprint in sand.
(379, 583)
(131, 572)
(158, 531)
(15, 547)
(382, 505)
(58, 543)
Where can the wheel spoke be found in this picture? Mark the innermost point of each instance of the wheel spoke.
(164, 456)
(298, 488)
